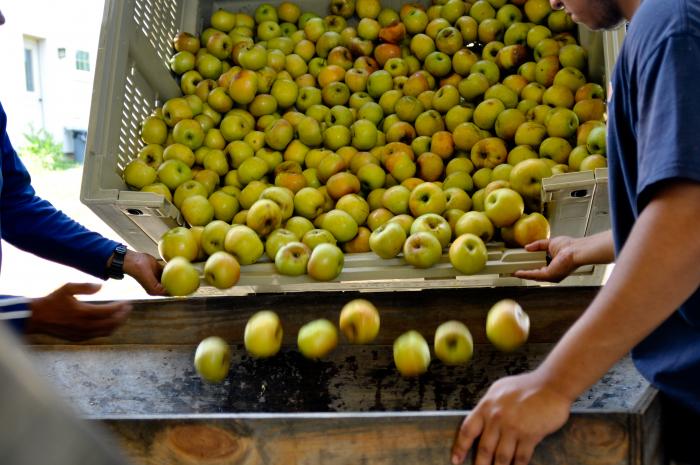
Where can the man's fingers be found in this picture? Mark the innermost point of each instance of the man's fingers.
(524, 451)
(104, 311)
(541, 244)
(487, 443)
(505, 449)
(80, 288)
(540, 274)
(468, 432)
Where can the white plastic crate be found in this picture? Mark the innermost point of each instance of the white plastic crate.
(132, 78)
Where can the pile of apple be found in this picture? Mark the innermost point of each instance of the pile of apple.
(507, 328)
(415, 131)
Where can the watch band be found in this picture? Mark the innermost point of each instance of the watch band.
(116, 268)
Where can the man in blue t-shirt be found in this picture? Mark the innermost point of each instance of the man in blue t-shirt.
(651, 302)
(34, 225)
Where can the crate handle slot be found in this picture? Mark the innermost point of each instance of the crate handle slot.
(134, 211)
(579, 193)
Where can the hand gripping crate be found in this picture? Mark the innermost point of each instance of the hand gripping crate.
(132, 77)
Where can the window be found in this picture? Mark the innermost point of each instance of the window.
(82, 60)
(28, 70)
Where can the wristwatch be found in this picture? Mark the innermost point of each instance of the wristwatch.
(116, 268)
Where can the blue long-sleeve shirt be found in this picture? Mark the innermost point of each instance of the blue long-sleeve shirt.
(34, 225)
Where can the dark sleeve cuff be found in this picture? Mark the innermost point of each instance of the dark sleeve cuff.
(16, 309)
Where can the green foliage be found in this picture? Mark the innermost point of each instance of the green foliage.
(44, 151)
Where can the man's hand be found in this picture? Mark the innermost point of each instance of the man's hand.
(61, 314)
(516, 413)
(561, 251)
(146, 270)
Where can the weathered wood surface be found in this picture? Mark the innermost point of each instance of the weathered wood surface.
(155, 380)
(350, 408)
(350, 440)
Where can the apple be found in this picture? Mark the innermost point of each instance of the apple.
(244, 244)
(212, 359)
(387, 240)
(160, 189)
(197, 210)
(468, 254)
(264, 216)
(489, 152)
(178, 242)
(411, 354)
(434, 224)
(222, 270)
(592, 162)
(526, 177)
(453, 343)
(507, 325)
(530, 228)
(422, 250)
(184, 41)
(595, 143)
(341, 224)
(292, 258)
(326, 262)
(154, 130)
(503, 207)
(139, 174)
(359, 321)
(427, 198)
(317, 339)
(530, 133)
(180, 277)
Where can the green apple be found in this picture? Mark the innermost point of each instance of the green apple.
(526, 177)
(139, 174)
(504, 207)
(154, 130)
(341, 224)
(222, 270)
(180, 277)
(197, 210)
(434, 224)
(411, 354)
(595, 142)
(317, 339)
(178, 242)
(387, 240)
(507, 325)
(212, 359)
(453, 343)
(422, 249)
(427, 198)
(468, 254)
(292, 258)
(326, 262)
(244, 244)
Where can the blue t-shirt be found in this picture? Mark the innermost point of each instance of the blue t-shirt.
(653, 138)
(34, 225)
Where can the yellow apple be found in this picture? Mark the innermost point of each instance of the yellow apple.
(212, 359)
(507, 325)
(263, 334)
(359, 321)
(453, 343)
(411, 354)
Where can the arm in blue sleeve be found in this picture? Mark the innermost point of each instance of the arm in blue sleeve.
(34, 225)
(18, 309)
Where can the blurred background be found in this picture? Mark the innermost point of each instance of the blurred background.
(48, 51)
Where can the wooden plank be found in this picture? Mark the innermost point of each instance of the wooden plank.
(186, 321)
(397, 439)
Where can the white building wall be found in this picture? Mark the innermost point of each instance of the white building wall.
(68, 24)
